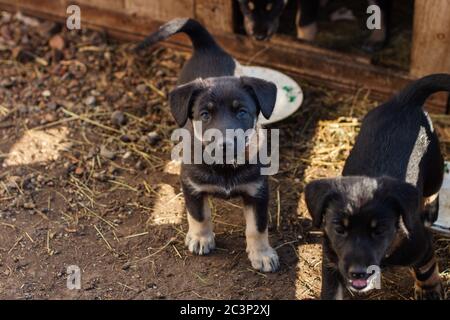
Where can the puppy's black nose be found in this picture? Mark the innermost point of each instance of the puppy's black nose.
(357, 272)
(260, 37)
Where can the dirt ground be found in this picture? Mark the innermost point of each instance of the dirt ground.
(86, 179)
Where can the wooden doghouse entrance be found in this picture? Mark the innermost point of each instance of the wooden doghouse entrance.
(134, 19)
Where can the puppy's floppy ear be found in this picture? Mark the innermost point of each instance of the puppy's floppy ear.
(318, 195)
(404, 198)
(263, 92)
(182, 98)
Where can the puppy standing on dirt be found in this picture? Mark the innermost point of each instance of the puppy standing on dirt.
(210, 94)
(377, 213)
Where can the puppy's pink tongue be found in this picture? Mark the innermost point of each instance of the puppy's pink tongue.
(359, 283)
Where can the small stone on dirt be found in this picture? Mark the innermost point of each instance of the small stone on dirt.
(125, 138)
(118, 118)
(92, 152)
(127, 155)
(140, 165)
(23, 109)
(29, 205)
(126, 266)
(142, 88)
(113, 170)
(108, 154)
(90, 101)
(56, 42)
(52, 106)
(100, 176)
(49, 118)
(153, 138)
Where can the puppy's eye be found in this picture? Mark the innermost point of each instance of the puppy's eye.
(205, 116)
(378, 231)
(242, 113)
(251, 6)
(339, 228)
(269, 7)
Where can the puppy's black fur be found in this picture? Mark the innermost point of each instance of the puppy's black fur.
(376, 213)
(208, 58)
(209, 94)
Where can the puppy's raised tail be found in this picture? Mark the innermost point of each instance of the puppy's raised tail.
(200, 37)
(416, 93)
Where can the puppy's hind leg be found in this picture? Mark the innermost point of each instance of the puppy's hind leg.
(200, 236)
(430, 209)
(262, 256)
(428, 283)
(434, 177)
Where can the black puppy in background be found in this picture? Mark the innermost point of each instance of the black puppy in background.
(376, 214)
(210, 94)
(261, 20)
(261, 17)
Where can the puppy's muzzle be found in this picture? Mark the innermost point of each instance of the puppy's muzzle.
(358, 278)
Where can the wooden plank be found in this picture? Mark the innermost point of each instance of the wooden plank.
(115, 5)
(91, 17)
(216, 15)
(431, 37)
(431, 40)
(302, 61)
(159, 9)
(56, 6)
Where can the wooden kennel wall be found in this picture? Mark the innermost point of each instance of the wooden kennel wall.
(133, 19)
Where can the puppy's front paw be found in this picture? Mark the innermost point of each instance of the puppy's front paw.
(265, 260)
(200, 245)
(307, 33)
(435, 292)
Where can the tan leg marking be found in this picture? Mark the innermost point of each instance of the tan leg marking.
(200, 237)
(262, 256)
(429, 200)
(430, 288)
(427, 206)
(307, 33)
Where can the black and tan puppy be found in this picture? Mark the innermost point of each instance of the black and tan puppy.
(261, 17)
(376, 214)
(210, 96)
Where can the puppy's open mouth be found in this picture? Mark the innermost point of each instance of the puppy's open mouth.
(358, 284)
(364, 284)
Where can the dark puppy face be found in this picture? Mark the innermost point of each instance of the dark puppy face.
(361, 217)
(261, 17)
(222, 104)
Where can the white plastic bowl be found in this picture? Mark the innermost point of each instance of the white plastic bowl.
(442, 224)
(289, 94)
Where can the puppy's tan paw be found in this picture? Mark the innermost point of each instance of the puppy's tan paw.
(200, 245)
(435, 292)
(307, 33)
(265, 260)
